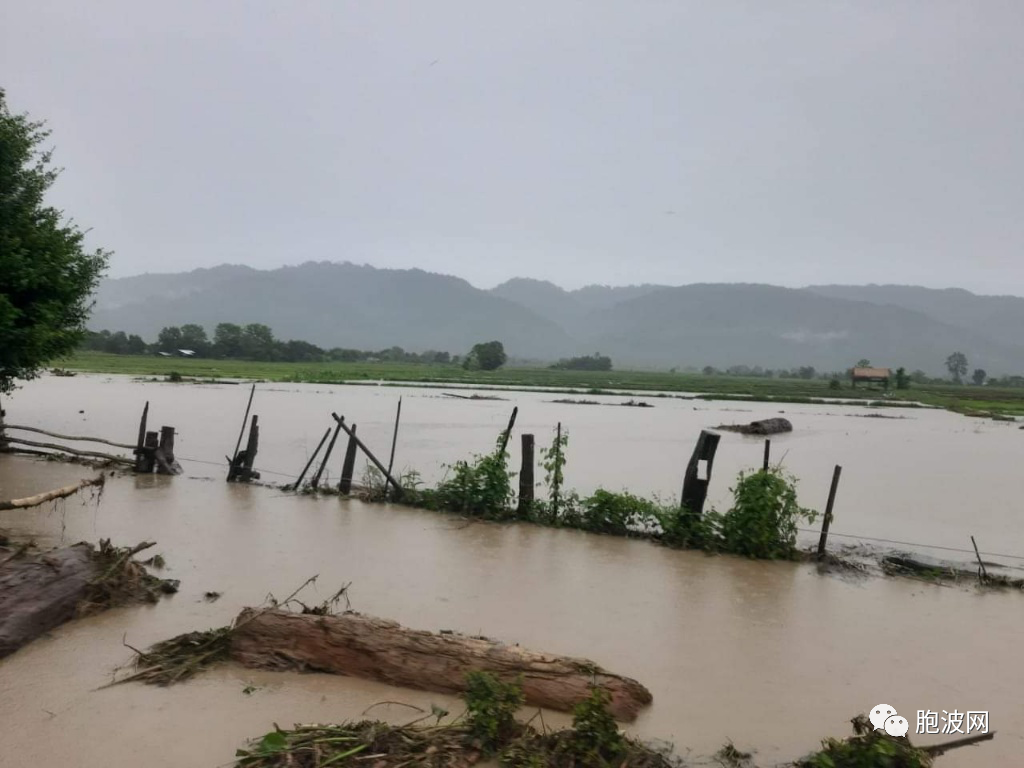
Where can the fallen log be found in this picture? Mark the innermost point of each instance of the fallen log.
(378, 649)
(42, 590)
(773, 426)
(59, 493)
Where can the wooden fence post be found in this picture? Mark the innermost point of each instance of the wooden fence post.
(164, 455)
(251, 447)
(695, 487)
(767, 452)
(526, 476)
(149, 446)
(556, 475)
(827, 521)
(348, 468)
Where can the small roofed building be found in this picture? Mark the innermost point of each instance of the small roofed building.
(870, 376)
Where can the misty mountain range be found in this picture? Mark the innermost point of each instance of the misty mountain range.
(347, 305)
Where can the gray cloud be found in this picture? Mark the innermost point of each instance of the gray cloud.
(784, 142)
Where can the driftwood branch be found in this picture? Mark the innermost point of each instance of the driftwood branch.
(59, 493)
(938, 749)
(73, 451)
(70, 437)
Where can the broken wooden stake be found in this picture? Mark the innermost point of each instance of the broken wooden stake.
(508, 430)
(164, 456)
(827, 521)
(698, 473)
(767, 453)
(526, 476)
(348, 467)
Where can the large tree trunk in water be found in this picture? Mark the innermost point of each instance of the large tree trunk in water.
(377, 649)
(40, 592)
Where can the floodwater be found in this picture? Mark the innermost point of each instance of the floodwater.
(773, 656)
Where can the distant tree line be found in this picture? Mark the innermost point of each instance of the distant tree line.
(249, 342)
(595, 362)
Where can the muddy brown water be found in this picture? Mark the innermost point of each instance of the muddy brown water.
(771, 655)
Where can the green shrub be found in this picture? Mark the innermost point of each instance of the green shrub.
(481, 487)
(595, 736)
(619, 514)
(763, 520)
(491, 707)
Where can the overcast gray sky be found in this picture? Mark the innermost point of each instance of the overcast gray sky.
(579, 142)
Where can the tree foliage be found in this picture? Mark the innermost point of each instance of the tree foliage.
(595, 362)
(46, 276)
(979, 376)
(956, 364)
(486, 356)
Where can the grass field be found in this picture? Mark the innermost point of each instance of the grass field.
(979, 401)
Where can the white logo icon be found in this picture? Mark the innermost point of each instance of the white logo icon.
(896, 726)
(884, 718)
(880, 714)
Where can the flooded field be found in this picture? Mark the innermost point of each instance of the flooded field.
(771, 655)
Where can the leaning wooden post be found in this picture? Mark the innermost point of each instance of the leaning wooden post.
(348, 467)
(827, 521)
(695, 487)
(312, 458)
(526, 476)
(767, 453)
(140, 461)
(982, 573)
(315, 482)
(508, 430)
(394, 439)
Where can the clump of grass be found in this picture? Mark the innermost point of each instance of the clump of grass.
(489, 728)
(867, 747)
(181, 657)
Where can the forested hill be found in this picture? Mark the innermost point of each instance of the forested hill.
(347, 305)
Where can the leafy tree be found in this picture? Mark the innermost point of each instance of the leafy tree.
(46, 276)
(595, 362)
(487, 356)
(979, 376)
(863, 363)
(258, 342)
(807, 372)
(169, 339)
(902, 380)
(956, 364)
(227, 340)
(136, 345)
(194, 337)
(709, 370)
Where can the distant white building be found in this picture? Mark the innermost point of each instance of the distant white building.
(187, 352)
